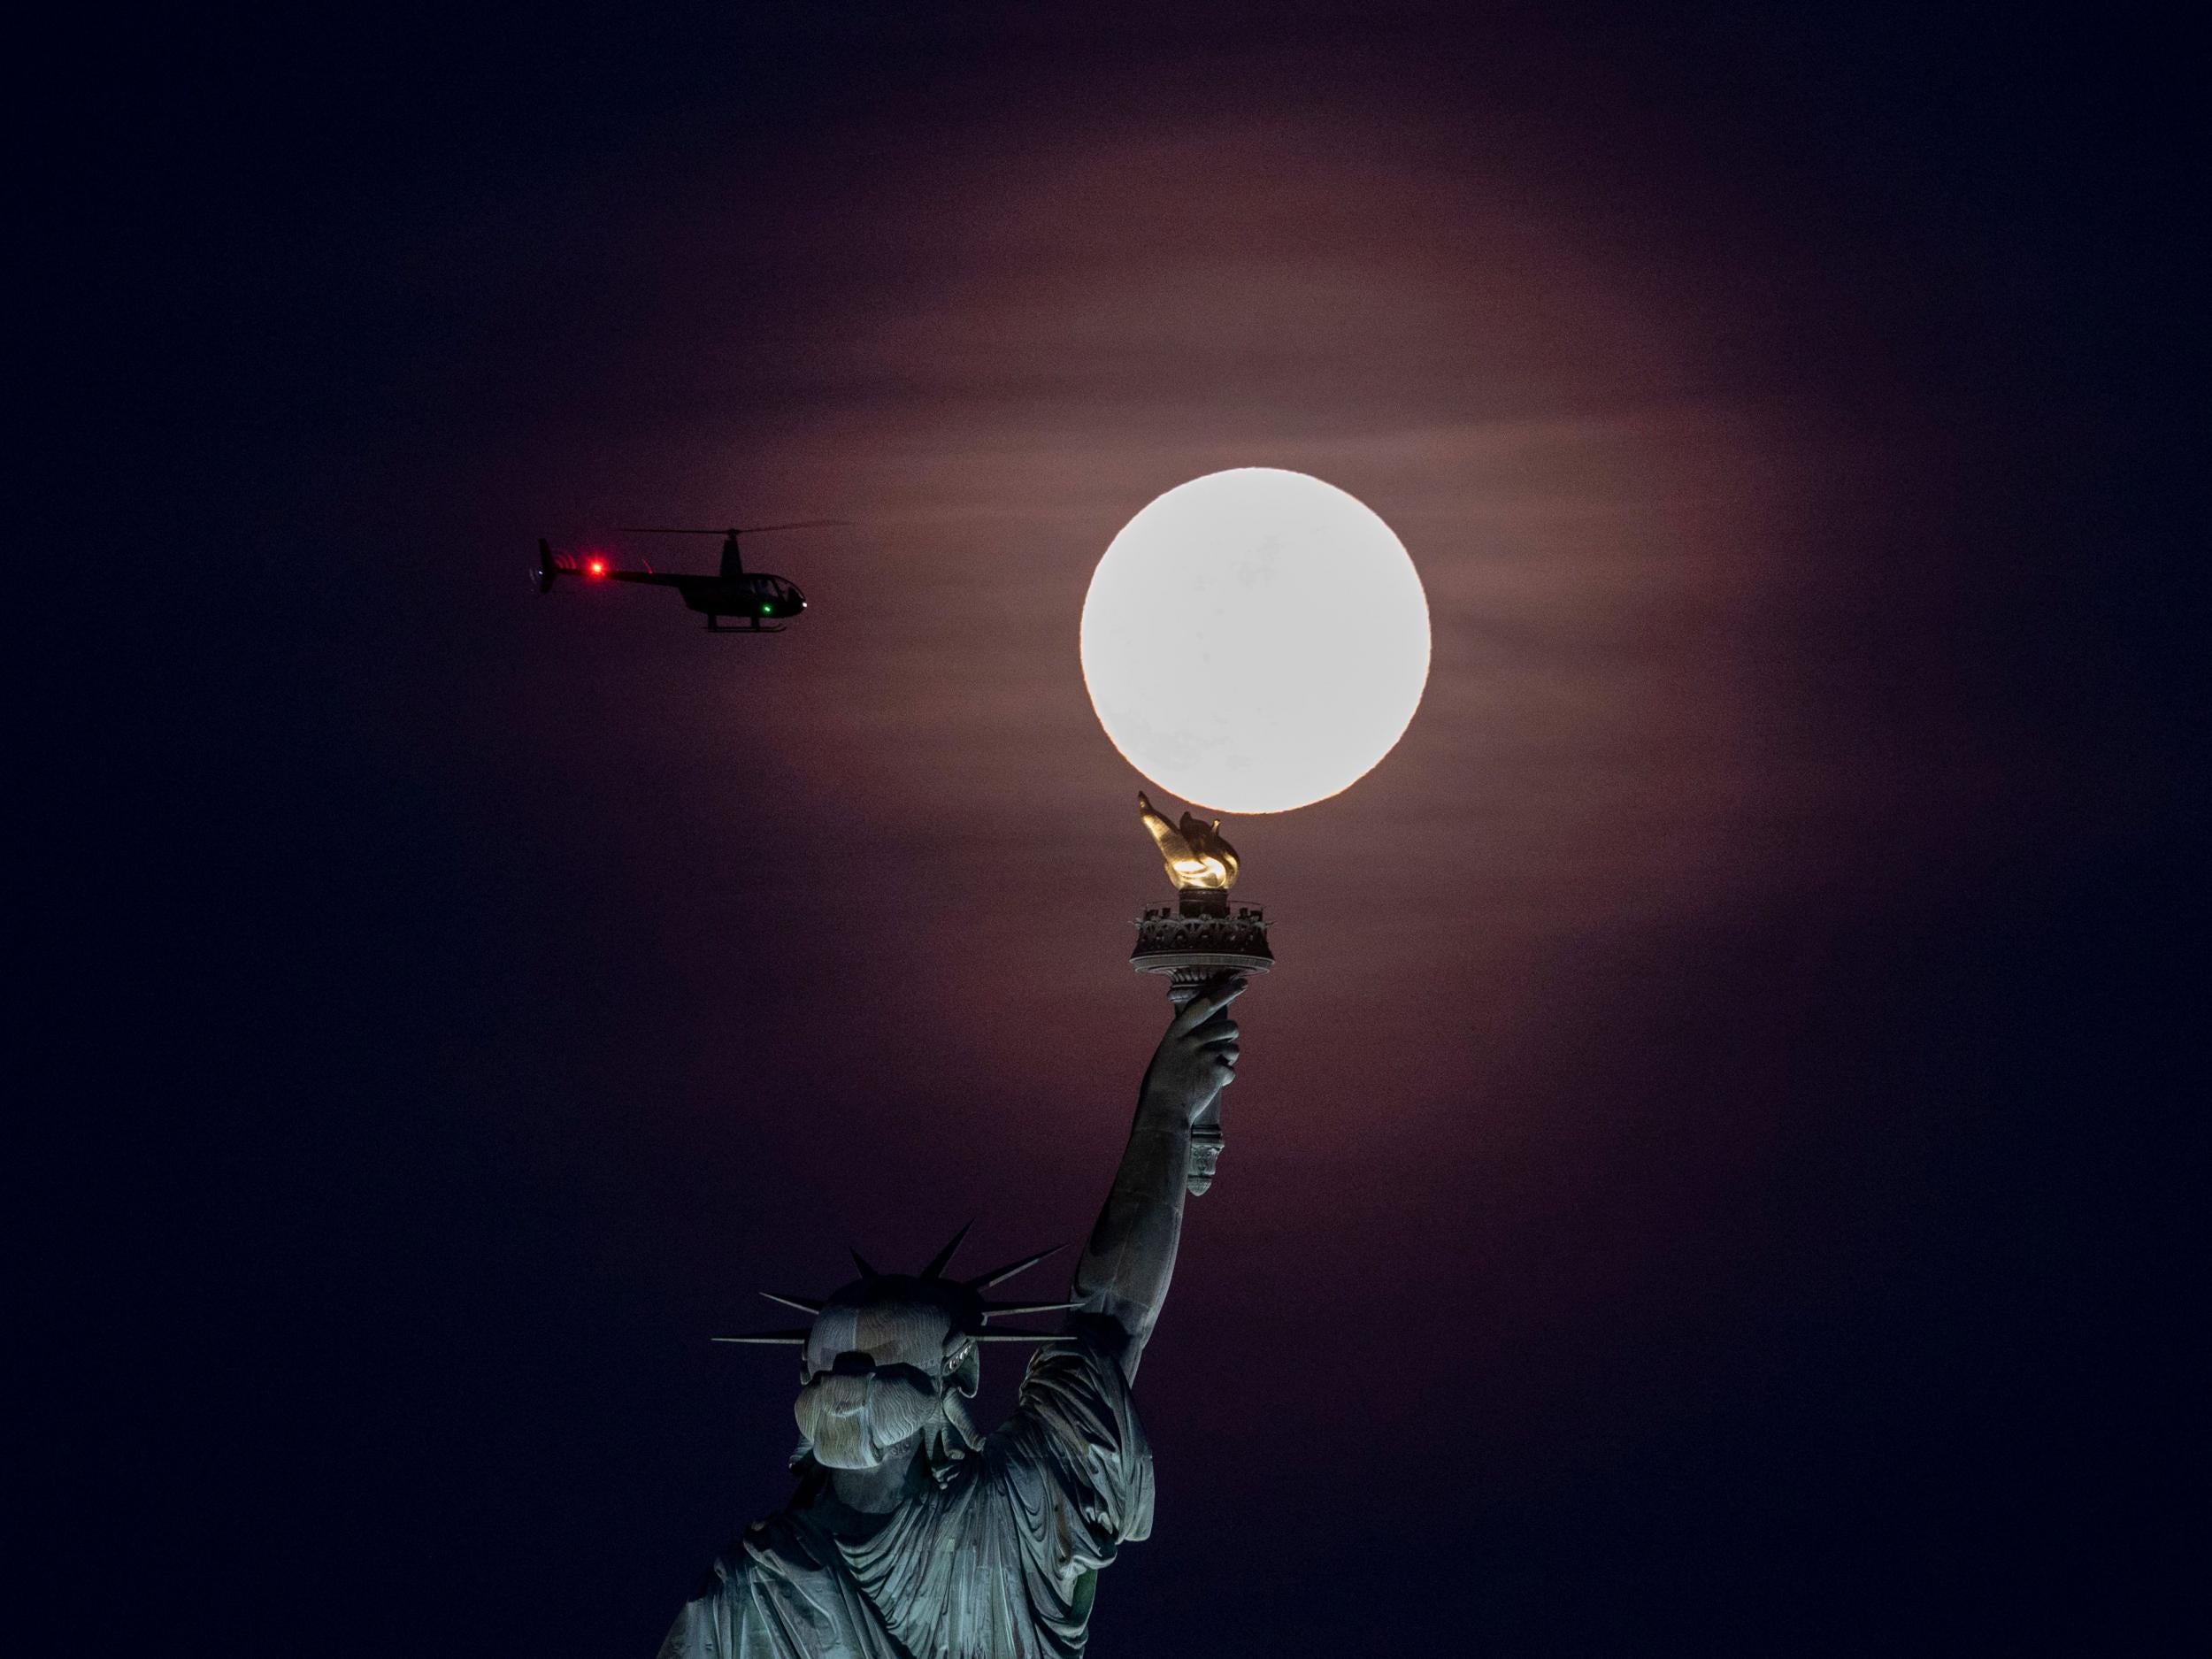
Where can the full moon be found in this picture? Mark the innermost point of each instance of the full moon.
(1255, 641)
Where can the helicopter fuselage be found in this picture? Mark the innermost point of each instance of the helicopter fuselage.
(759, 595)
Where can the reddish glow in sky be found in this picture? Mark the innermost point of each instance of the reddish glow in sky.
(1694, 1031)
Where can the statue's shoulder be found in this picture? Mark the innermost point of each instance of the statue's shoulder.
(776, 1547)
(1076, 1381)
(780, 1590)
(1074, 1424)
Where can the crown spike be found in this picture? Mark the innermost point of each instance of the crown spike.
(939, 1261)
(1006, 1310)
(861, 1262)
(772, 1339)
(999, 1275)
(802, 1304)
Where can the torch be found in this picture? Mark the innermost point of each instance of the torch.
(1201, 936)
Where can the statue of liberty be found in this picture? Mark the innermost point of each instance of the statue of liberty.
(911, 1537)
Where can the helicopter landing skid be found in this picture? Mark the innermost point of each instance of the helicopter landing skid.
(713, 627)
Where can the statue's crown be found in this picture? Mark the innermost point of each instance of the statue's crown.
(966, 1310)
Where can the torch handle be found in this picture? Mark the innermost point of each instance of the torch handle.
(1205, 1130)
(1205, 1149)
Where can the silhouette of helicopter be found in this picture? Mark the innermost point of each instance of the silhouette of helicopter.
(733, 593)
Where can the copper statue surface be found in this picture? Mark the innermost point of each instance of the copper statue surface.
(910, 1535)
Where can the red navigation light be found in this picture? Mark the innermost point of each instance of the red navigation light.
(597, 567)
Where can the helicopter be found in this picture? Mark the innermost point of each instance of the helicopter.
(764, 604)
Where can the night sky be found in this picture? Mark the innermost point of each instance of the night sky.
(1712, 1170)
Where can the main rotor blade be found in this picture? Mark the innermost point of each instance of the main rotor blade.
(742, 529)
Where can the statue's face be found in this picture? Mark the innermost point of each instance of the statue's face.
(873, 1376)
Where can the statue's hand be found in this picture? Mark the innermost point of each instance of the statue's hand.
(1197, 1058)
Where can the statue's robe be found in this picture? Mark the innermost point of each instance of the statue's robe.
(995, 1559)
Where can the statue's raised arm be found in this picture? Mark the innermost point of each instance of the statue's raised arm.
(1126, 1267)
(911, 1536)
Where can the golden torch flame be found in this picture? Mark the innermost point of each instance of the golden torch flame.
(1194, 854)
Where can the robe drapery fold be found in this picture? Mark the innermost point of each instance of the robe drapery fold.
(998, 1562)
